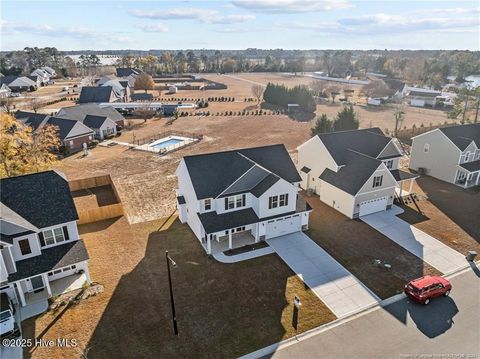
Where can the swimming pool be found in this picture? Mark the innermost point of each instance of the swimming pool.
(167, 143)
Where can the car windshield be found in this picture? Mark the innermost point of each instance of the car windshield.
(5, 315)
(414, 289)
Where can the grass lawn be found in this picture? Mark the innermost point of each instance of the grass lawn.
(451, 214)
(356, 245)
(223, 310)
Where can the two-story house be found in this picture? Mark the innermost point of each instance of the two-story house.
(451, 154)
(239, 197)
(39, 242)
(356, 172)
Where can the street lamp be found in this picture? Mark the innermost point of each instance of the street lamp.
(172, 302)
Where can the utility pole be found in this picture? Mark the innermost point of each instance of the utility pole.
(172, 302)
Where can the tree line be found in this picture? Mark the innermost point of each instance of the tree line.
(282, 95)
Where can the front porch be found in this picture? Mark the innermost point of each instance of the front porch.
(468, 174)
(231, 241)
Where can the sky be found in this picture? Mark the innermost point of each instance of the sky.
(240, 24)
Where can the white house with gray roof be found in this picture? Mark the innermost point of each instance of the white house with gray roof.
(41, 253)
(239, 197)
(356, 172)
(451, 154)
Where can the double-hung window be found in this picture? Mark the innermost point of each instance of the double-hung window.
(235, 201)
(208, 204)
(273, 202)
(52, 236)
(389, 164)
(283, 200)
(377, 181)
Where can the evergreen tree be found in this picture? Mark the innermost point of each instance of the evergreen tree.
(346, 119)
(322, 125)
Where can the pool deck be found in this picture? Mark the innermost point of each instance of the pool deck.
(150, 147)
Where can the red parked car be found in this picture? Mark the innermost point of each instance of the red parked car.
(423, 289)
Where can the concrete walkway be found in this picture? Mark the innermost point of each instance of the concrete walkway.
(223, 258)
(421, 244)
(330, 281)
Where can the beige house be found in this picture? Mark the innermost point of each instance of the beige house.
(451, 154)
(356, 172)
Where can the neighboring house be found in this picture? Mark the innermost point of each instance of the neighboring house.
(41, 250)
(51, 72)
(141, 96)
(356, 172)
(79, 112)
(72, 133)
(104, 79)
(127, 71)
(239, 197)
(451, 154)
(5, 91)
(420, 97)
(19, 83)
(102, 125)
(122, 91)
(94, 94)
(43, 76)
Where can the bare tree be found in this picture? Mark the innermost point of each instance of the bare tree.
(376, 88)
(333, 91)
(318, 87)
(399, 117)
(257, 91)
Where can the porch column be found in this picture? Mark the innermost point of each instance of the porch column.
(230, 245)
(21, 295)
(87, 272)
(478, 178)
(209, 245)
(47, 284)
(411, 185)
(257, 229)
(401, 189)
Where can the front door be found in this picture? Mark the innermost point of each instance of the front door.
(37, 283)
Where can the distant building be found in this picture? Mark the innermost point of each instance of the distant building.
(95, 94)
(79, 112)
(141, 96)
(19, 83)
(127, 71)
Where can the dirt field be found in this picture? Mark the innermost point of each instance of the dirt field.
(146, 181)
(356, 245)
(451, 214)
(210, 311)
(94, 197)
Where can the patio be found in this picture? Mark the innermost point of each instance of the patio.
(238, 240)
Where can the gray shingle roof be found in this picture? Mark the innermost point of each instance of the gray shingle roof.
(93, 121)
(34, 120)
(80, 111)
(43, 198)
(471, 166)
(213, 222)
(127, 71)
(351, 177)
(264, 185)
(400, 175)
(64, 126)
(95, 94)
(463, 135)
(369, 141)
(212, 173)
(51, 258)
(248, 181)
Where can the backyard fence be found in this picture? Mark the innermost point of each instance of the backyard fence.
(89, 215)
(164, 134)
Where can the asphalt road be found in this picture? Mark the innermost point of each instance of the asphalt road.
(446, 328)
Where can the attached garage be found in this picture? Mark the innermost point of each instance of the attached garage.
(282, 226)
(373, 205)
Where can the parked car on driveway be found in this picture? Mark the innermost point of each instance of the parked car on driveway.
(8, 326)
(423, 289)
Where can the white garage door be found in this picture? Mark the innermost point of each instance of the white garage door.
(372, 206)
(282, 226)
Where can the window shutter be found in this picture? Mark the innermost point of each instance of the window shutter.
(286, 199)
(243, 200)
(65, 233)
(42, 240)
(226, 203)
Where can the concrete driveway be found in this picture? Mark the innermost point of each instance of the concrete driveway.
(330, 281)
(419, 243)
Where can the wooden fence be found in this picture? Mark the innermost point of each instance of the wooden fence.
(90, 215)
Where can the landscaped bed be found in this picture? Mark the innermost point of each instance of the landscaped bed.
(223, 310)
(357, 246)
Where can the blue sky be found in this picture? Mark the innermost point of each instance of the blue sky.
(239, 24)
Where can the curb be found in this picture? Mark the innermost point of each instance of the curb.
(327, 326)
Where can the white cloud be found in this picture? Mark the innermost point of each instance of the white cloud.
(291, 6)
(74, 32)
(154, 28)
(203, 15)
(455, 10)
(378, 24)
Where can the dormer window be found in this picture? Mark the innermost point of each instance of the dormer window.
(52, 236)
(208, 204)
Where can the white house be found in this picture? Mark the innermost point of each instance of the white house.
(43, 76)
(239, 197)
(51, 72)
(41, 251)
(356, 172)
(5, 91)
(451, 154)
